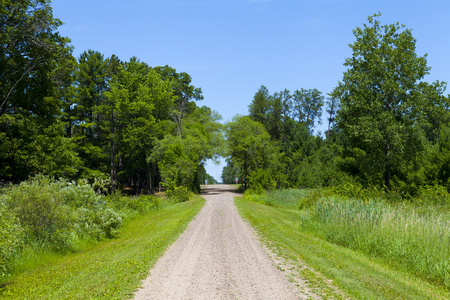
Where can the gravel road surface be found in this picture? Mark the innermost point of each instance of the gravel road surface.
(217, 257)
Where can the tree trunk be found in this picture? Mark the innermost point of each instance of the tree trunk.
(113, 166)
(387, 171)
(113, 156)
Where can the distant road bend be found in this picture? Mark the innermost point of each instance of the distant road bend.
(217, 257)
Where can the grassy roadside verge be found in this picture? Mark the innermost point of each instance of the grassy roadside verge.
(353, 273)
(111, 269)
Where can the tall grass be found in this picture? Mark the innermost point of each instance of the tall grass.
(324, 264)
(413, 236)
(279, 198)
(415, 242)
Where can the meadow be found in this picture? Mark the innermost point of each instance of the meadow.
(382, 248)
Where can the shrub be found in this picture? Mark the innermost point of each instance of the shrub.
(261, 180)
(179, 194)
(432, 195)
(55, 213)
(91, 224)
(11, 235)
(131, 205)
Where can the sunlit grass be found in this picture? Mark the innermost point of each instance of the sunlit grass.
(280, 198)
(418, 243)
(299, 235)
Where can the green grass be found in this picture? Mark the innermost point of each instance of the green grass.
(416, 242)
(354, 273)
(111, 269)
(280, 198)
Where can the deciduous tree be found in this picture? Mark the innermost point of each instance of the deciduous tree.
(382, 96)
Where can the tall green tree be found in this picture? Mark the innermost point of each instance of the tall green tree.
(185, 94)
(181, 159)
(91, 80)
(34, 61)
(382, 96)
(254, 153)
(259, 107)
(135, 93)
(31, 48)
(307, 107)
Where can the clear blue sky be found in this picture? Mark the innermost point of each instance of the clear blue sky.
(232, 47)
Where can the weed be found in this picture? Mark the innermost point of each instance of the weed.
(302, 236)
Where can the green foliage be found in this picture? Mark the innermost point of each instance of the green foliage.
(31, 60)
(11, 236)
(56, 214)
(252, 151)
(261, 180)
(180, 158)
(432, 195)
(136, 97)
(382, 98)
(29, 148)
(179, 194)
(307, 106)
(260, 106)
(111, 269)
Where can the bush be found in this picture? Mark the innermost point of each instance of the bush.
(179, 194)
(261, 180)
(432, 195)
(55, 213)
(313, 196)
(11, 235)
(90, 224)
(131, 205)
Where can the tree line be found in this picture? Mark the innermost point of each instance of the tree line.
(387, 127)
(94, 116)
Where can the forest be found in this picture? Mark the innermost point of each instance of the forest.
(95, 117)
(137, 126)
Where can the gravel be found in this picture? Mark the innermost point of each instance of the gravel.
(217, 257)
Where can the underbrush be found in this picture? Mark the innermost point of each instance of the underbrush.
(52, 215)
(130, 207)
(43, 217)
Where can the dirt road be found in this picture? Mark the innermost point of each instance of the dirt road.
(217, 257)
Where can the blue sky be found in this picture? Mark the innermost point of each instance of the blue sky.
(232, 47)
